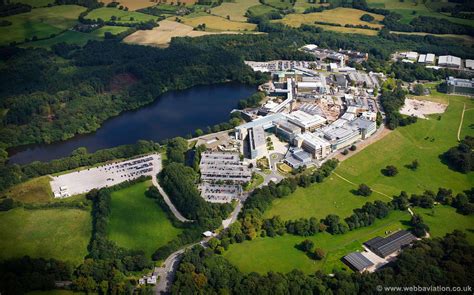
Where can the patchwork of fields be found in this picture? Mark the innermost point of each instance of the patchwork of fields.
(39, 23)
(216, 23)
(235, 10)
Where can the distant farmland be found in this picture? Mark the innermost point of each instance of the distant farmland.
(39, 23)
(161, 36)
(216, 23)
(235, 10)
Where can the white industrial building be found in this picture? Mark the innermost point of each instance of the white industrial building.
(469, 63)
(305, 121)
(318, 147)
(449, 61)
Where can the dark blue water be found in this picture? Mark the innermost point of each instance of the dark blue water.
(176, 113)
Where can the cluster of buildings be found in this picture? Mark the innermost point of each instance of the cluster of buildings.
(460, 86)
(430, 60)
(222, 176)
(341, 57)
(379, 251)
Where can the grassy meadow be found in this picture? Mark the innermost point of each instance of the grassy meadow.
(35, 3)
(217, 23)
(39, 22)
(280, 255)
(411, 9)
(36, 190)
(424, 141)
(50, 233)
(137, 222)
(235, 10)
(106, 13)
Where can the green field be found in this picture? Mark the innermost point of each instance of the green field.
(36, 190)
(69, 37)
(51, 233)
(40, 22)
(137, 222)
(260, 10)
(106, 13)
(235, 10)
(445, 219)
(112, 29)
(406, 8)
(424, 141)
(280, 4)
(280, 255)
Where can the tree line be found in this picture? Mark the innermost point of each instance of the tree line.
(461, 157)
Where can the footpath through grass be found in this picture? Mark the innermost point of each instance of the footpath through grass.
(137, 222)
(280, 255)
(424, 141)
(50, 233)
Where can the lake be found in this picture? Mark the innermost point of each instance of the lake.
(175, 113)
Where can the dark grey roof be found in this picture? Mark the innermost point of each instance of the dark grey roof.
(386, 246)
(357, 261)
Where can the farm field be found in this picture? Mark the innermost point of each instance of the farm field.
(66, 232)
(280, 4)
(469, 40)
(216, 23)
(338, 15)
(106, 13)
(69, 37)
(39, 22)
(235, 10)
(301, 5)
(445, 219)
(112, 29)
(345, 30)
(280, 255)
(424, 141)
(260, 10)
(161, 36)
(406, 9)
(132, 4)
(137, 222)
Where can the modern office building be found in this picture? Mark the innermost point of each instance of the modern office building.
(318, 147)
(460, 86)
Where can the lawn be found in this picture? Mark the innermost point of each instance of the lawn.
(216, 23)
(51, 233)
(36, 190)
(280, 255)
(338, 15)
(445, 219)
(137, 222)
(106, 13)
(39, 22)
(235, 10)
(406, 9)
(424, 141)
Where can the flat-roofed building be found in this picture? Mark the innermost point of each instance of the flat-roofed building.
(318, 147)
(430, 59)
(286, 130)
(384, 247)
(412, 55)
(422, 58)
(469, 63)
(305, 121)
(297, 157)
(366, 127)
(460, 86)
(257, 143)
(369, 115)
(357, 261)
(341, 81)
(341, 136)
(449, 61)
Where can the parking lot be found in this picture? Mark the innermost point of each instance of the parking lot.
(220, 193)
(79, 182)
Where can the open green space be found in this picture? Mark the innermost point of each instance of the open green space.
(50, 233)
(122, 16)
(424, 141)
(411, 9)
(260, 10)
(69, 37)
(234, 10)
(280, 255)
(36, 190)
(39, 22)
(137, 222)
(111, 29)
(279, 4)
(445, 219)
